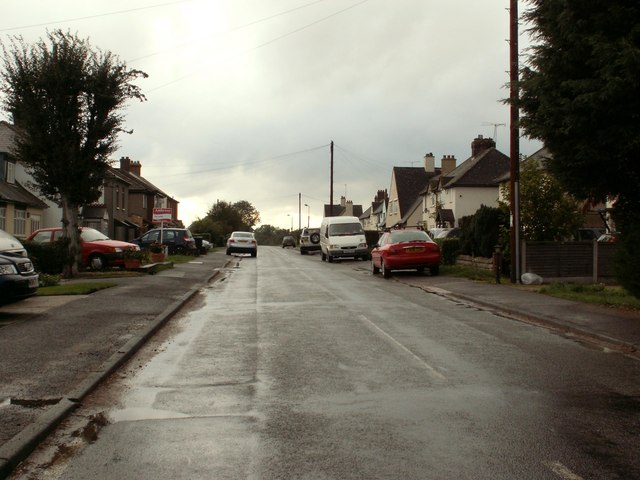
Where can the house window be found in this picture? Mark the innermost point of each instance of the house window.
(117, 198)
(11, 172)
(19, 222)
(35, 222)
(3, 217)
(144, 201)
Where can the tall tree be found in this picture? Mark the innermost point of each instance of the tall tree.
(66, 98)
(236, 216)
(580, 95)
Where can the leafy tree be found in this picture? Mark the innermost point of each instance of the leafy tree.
(248, 214)
(580, 95)
(547, 212)
(270, 235)
(224, 217)
(65, 100)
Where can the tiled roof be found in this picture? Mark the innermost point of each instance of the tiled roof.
(410, 181)
(16, 193)
(7, 134)
(483, 170)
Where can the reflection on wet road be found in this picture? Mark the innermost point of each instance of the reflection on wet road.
(290, 367)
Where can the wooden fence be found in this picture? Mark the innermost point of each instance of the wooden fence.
(586, 260)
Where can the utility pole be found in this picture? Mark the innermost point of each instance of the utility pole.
(514, 170)
(299, 211)
(331, 182)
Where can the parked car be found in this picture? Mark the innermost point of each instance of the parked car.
(309, 240)
(449, 233)
(9, 243)
(288, 241)
(242, 242)
(18, 278)
(97, 250)
(608, 238)
(433, 232)
(179, 241)
(405, 250)
(342, 237)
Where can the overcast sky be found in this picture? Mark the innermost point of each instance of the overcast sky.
(244, 96)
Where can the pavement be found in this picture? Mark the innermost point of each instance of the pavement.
(56, 350)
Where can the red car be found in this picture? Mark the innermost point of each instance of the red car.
(98, 251)
(405, 250)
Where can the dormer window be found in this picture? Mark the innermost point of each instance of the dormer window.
(11, 172)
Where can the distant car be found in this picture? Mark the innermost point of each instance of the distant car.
(449, 233)
(608, 238)
(288, 241)
(18, 278)
(179, 241)
(309, 240)
(97, 250)
(242, 242)
(433, 232)
(405, 250)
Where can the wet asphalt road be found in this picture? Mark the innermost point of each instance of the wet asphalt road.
(289, 367)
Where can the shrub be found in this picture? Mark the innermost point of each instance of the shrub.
(47, 280)
(49, 257)
(449, 249)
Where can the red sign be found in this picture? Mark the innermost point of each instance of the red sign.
(161, 214)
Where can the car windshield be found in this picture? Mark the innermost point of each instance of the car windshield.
(338, 229)
(408, 236)
(91, 235)
(242, 235)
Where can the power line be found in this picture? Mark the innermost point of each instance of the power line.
(88, 17)
(269, 42)
(234, 29)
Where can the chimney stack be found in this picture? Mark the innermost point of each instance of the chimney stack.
(343, 200)
(135, 167)
(481, 144)
(448, 164)
(124, 163)
(429, 163)
(349, 208)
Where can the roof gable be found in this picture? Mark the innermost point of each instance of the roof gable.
(410, 181)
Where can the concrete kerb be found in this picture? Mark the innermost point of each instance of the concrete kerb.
(599, 340)
(21, 445)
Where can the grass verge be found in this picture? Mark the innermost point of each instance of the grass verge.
(597, 294)
(82, 288)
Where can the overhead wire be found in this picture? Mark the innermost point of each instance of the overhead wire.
(88, 17)
(269, 42)
(233, 29)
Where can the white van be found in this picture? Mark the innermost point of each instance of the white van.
(342, 237)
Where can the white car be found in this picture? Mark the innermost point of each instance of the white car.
(242, 242)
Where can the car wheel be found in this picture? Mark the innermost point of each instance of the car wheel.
(254, 254)
(228, 252)
(375, 270)
(420, 269)
(386, 273)
(96, 262)
(435, 270)
(329, 259)
(323, 257)
(315, 238)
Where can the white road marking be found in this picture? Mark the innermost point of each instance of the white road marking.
(395, 342)
(562, 471)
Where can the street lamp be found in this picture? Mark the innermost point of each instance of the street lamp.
(308, 208)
